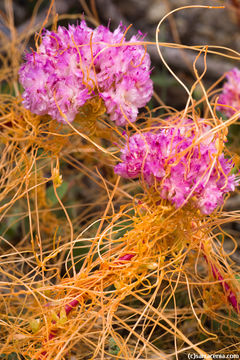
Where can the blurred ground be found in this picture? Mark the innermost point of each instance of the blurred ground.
(196, 26)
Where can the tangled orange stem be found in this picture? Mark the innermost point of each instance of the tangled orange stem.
(72, 304)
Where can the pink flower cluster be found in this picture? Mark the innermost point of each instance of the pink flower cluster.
(75, 64)
(231, 94)
(180, 171)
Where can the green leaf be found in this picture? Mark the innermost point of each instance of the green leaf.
(12, 356)
(113, 348)
(235, 171)
(61, 191)
(221, 115)
(163, 80)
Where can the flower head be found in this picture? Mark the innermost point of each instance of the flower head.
(180, 170)
(230, 96)
(73, 65)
